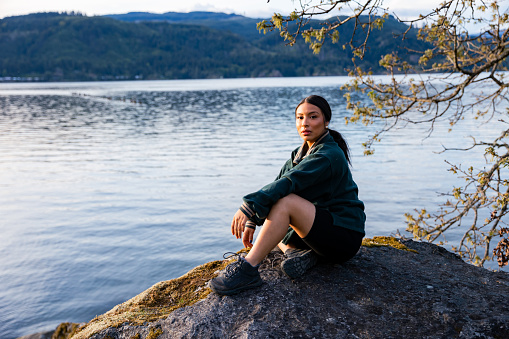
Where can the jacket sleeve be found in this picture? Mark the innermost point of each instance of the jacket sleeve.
(314, 168)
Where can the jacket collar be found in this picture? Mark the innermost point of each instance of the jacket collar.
(305, 150)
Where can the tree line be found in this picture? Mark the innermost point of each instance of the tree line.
(74, 47)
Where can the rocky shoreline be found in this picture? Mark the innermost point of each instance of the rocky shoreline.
(391, 289)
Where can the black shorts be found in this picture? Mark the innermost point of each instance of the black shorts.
(333, 243)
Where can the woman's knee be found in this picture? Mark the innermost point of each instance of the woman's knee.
(286, 203)
(299, 211)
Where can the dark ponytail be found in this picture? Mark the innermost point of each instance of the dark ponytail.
(338, 138)
(323, 105)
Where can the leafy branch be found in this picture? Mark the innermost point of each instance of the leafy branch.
(364, 16)
(484, 190)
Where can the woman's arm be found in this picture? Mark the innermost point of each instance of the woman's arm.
(313, 169)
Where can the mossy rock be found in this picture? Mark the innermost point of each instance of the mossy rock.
(160, 300)
(385, 241)
(65, 330)
(156, 302)
(154, 333)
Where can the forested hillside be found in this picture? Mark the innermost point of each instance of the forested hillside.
(57, 47)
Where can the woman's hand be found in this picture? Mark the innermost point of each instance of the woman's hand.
(238, 223)
(247, 239)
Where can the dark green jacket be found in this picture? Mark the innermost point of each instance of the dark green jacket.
(322, 176)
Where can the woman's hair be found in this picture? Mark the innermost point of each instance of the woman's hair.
(323, 105)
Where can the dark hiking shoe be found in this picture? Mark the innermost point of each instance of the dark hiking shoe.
(298, 261)
(236, 277)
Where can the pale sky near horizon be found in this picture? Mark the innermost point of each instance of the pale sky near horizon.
(249, 8)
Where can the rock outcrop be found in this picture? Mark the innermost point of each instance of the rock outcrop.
(417, 291)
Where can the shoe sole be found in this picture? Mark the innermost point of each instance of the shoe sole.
(236, 290)
(296, 266)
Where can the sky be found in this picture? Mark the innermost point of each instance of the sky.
(249, 8)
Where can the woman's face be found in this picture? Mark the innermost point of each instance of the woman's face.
(310, 122)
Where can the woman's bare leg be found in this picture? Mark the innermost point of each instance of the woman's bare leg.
(284, 247)
(291, 210)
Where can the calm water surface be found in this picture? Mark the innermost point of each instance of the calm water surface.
(108, 188)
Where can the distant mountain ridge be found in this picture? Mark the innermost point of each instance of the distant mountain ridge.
(230, 22)
(174, 16)
(71, 46)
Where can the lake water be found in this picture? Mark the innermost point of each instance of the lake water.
(108, 188)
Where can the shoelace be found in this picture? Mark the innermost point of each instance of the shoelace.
(232, 268)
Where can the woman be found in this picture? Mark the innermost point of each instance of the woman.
(310, 211)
